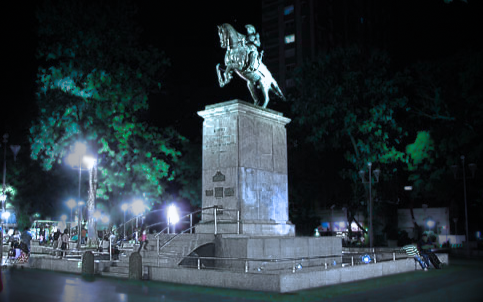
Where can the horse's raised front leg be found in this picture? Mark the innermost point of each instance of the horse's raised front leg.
(226, 77)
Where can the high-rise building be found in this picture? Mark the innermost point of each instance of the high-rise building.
(297, 30)
(287, 36)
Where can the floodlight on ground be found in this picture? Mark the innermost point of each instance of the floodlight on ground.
(124, 206)
(173, 216)
(5, 215)
(366, 259)
(408, 188)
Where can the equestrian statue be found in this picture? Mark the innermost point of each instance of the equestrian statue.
(243, 58)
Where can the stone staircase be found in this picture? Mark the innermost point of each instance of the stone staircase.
(174, 248)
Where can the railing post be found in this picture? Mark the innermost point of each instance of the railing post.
(191, 223)
(215, 209)
(157, 245)
(352, 260)
(110, 247)
(238, 222)
(246, 266)
(293, 267)
(375, 259)
(199, 263)
(393, 256)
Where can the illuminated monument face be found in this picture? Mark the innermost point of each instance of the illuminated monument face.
(245, 170)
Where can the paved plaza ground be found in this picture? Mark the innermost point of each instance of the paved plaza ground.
(461, 281)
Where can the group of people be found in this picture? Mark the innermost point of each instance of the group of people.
(422, 252)
(60, 241)
(19, 246)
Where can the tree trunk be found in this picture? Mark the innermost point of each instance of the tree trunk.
(91, 207)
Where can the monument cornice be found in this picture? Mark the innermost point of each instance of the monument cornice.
(239, 106)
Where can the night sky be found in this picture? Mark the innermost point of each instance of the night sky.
(422, 30)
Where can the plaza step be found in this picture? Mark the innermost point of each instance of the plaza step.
(174, 248)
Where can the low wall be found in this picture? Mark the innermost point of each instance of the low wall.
(64, 265)
(312, 251)
(286, 281)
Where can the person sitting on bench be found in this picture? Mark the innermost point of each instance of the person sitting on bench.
(412, 251)
(424, 246)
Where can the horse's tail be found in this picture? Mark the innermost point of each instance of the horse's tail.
(277, 90)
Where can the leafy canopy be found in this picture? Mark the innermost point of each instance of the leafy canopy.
(93, 82)
(348, 101)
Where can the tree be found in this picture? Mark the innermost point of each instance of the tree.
(348, 102)
(93, 82)
(446, 105)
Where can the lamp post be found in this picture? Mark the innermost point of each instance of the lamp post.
(71, 204)
(80, 203)
(455, 169)
(75, 161)
(124, 207)
(15, 149)
(369, 182)
(137, 208)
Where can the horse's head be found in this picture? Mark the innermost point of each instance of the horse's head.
(223, 36)
(229, 37)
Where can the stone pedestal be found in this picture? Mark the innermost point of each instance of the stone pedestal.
(245, 170)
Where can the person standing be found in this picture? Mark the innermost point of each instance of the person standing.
(55, 244)
(143, 238)
(83, 236)
(25, 238)
(64, 243)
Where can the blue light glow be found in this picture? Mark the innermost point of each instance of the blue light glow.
(288, 10)
(366, 259)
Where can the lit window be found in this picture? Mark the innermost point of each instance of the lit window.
(289, 39)
(288, 10)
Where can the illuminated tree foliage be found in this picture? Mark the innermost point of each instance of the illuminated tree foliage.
(94, 81)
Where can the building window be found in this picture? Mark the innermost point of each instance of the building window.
(289, 39)
(289, 52)
(288, 10)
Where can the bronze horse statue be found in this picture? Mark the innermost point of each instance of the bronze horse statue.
(237, 57)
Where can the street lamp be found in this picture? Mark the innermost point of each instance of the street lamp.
(455, 169)
(124, 207)
(15, 149)
(137, 208)
(71, 204)
(362, 173)
(75, 161)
